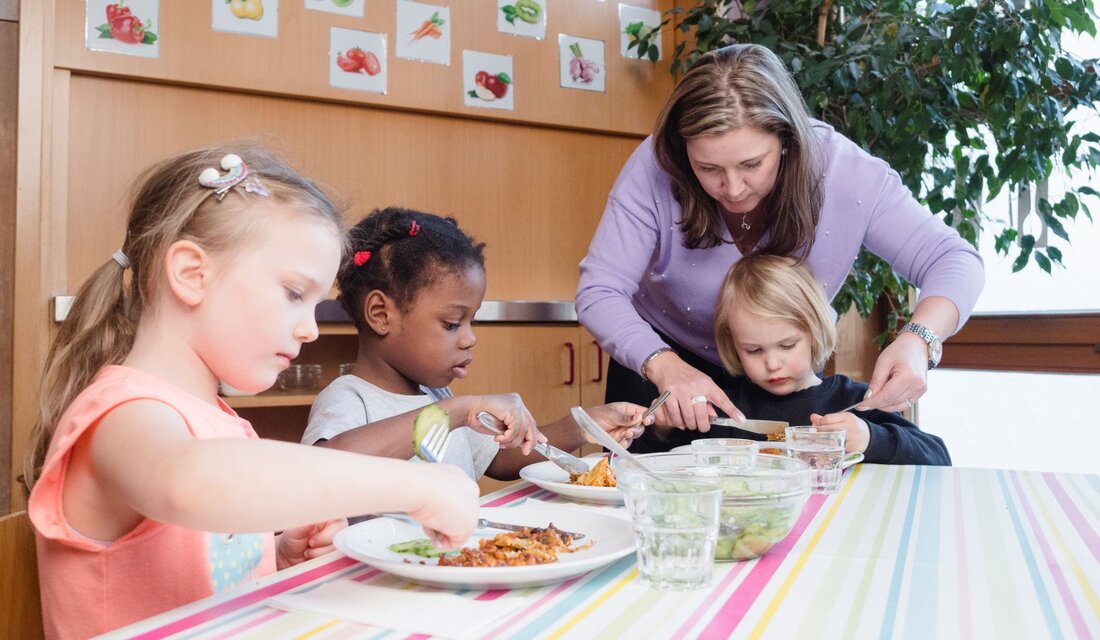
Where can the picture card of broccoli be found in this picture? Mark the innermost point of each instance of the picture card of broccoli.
(582, 63)
(131, 27)
(487, 80)
(357, 60)
(250, 17)
(637, 21)
(343, 7)
(423, 32)
(525, 18)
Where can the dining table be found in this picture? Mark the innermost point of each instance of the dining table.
(897, 552)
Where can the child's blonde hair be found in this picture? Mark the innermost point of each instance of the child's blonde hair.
(170, 205)
(775, 287)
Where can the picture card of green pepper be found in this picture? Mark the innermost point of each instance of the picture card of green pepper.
(525, 18)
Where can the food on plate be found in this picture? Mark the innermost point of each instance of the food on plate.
(428, 416)
(600, 475)
(581, 69)
(531, 545)
(422, 547)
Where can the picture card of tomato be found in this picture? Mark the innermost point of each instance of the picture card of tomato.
(130, 27)
(352, 8)
(487, 80)
(250, 17)
(525, 18)
(637, 20)
(357, 60)
(581, 63)
(423, 32)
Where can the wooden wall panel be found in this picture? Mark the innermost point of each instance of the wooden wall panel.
(534, 195)
(296, 63)
(9, 108)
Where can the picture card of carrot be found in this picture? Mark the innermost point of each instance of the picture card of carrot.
(131, 28)
(250, 17)
(582, 63)
(487, 80)
(525, 18)
(423, 32)
(637, 21)
(357, 60)
(343, 7)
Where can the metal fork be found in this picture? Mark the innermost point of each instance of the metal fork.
(484, 523)
(434, 443)
(566, 461)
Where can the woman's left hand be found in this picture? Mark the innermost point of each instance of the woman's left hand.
(306, 543)
(620, 421)
(900, 376)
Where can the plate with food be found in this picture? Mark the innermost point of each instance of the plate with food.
(492, 558)
(595, 487)
(779, 448)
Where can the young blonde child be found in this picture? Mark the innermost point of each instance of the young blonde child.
(152, 492)
(412, 285)
(774, 326)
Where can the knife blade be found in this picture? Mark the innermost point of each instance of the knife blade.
(762, 427)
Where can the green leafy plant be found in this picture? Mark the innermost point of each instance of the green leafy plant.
(963, 98)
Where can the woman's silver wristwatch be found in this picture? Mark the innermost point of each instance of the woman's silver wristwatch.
(935, 345)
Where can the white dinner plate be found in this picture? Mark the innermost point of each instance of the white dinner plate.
(850, 459)
(551, 477)
(611, 538)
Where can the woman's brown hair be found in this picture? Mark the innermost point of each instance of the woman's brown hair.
(742, 85)
(170, 205)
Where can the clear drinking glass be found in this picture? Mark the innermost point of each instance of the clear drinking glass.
(824, 452)
(737, 452)
(676, 529)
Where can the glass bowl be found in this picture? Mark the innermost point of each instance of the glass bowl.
(299, 376)
(760, 501)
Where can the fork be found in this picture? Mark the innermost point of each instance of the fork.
(434, 443)
(485, 523)
(566, 461)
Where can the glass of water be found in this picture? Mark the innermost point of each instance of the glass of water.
(675, 528)
(736, 452)
(824, 452)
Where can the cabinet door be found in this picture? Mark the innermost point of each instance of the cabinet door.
(592, 369)
(540, 362)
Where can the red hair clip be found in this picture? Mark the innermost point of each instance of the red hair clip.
(361, 257)
(414, 228)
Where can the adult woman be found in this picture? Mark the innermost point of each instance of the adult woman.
(736, 165)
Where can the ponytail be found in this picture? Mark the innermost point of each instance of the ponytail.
(98, 331)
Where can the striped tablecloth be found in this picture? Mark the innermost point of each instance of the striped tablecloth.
(907, 552)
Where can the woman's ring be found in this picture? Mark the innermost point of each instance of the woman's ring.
(698, 399)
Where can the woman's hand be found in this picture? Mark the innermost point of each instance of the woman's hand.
(858, 434)
(620, 421)
(299, 544)
(900, 375)
(513, 418)
(693, 393)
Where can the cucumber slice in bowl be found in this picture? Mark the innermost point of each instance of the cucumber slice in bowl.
(428, 417)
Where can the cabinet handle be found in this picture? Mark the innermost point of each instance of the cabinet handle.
(572, 364)
(599, 363)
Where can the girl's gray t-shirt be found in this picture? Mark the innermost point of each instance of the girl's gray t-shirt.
(350, 402)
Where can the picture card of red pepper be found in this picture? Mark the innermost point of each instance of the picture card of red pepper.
(123, 26)
(357, 60)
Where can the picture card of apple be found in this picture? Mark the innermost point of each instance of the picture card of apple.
(487, 80)
(357, 60)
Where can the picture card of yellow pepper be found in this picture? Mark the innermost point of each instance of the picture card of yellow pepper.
(250, 17)
(525, 18)
(121, 26)
(423, 32)
(343, 7)
(487, 80)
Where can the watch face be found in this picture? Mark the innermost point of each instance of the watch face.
(935, 347)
